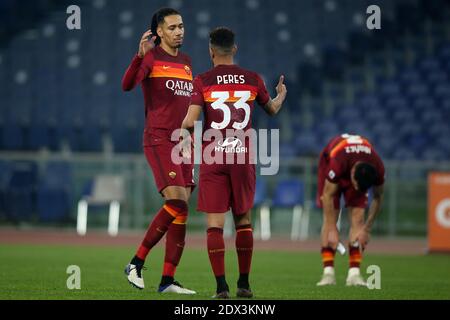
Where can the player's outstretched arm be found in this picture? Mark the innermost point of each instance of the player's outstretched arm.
(274, 105)
(138, 71)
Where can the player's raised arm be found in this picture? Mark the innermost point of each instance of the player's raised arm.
(274, 105)
(138, 69)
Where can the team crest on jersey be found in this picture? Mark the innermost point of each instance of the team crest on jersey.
(331, 174)
(187, 69)
(172, 174)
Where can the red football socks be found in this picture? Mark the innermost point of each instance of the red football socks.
(328, 256)
(175, 244)
(244, 247)
(354, 256)
(216, 250)
(160, 224)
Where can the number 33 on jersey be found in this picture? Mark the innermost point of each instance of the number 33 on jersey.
(228, 104)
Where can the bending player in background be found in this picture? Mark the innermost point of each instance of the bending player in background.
(348, 166)
(158, 66)
(226, 95)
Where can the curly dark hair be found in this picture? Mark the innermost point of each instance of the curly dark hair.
(223, 38)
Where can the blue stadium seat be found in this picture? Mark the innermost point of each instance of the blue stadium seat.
(127, 140)
(424, 103)
(375, 115)
(410, 75)
(5, 176)
(90, 139)
(417, 90)
(287, 151)
(260, 192)
(403, 154)
(396, 103)
(53, 195)
(306, 143)
(38, 137)
(289, 193)
(21, 191)
(429, 64)
(12, 137)
(445, 106)
(436, 77)
(390, 88)
(442, 91)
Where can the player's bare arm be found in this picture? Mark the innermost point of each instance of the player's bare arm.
(374, 209)
(274, 105)
(330, 231)
(192, 115)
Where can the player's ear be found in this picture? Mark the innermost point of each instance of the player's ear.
(211, 52)
(234, 50)
(159, 31)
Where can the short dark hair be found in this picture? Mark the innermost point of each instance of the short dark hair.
(158, 18)
(365, 176)
(222, 38)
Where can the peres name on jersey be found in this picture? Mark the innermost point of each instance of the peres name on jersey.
(231, 79)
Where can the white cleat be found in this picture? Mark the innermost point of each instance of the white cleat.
(354, 278)
(134, 275)
(328, 278)
(175, 287)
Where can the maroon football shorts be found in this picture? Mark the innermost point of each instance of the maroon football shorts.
(225, 186)
(165, 172)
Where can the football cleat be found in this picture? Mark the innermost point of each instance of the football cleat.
(244, 293)
(327, 280)
(175, 287)
(328, 277)
(354, 278)
(222, 295)
(134, 275)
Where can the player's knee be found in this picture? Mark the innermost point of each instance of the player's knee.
(216, 223)
(240, 220)
(178, 204)
(175, 193)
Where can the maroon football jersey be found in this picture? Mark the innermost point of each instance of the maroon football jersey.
(227, 94)
(167, 86)
(344, 151)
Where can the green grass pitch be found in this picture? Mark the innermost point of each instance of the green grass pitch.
(39, 272)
